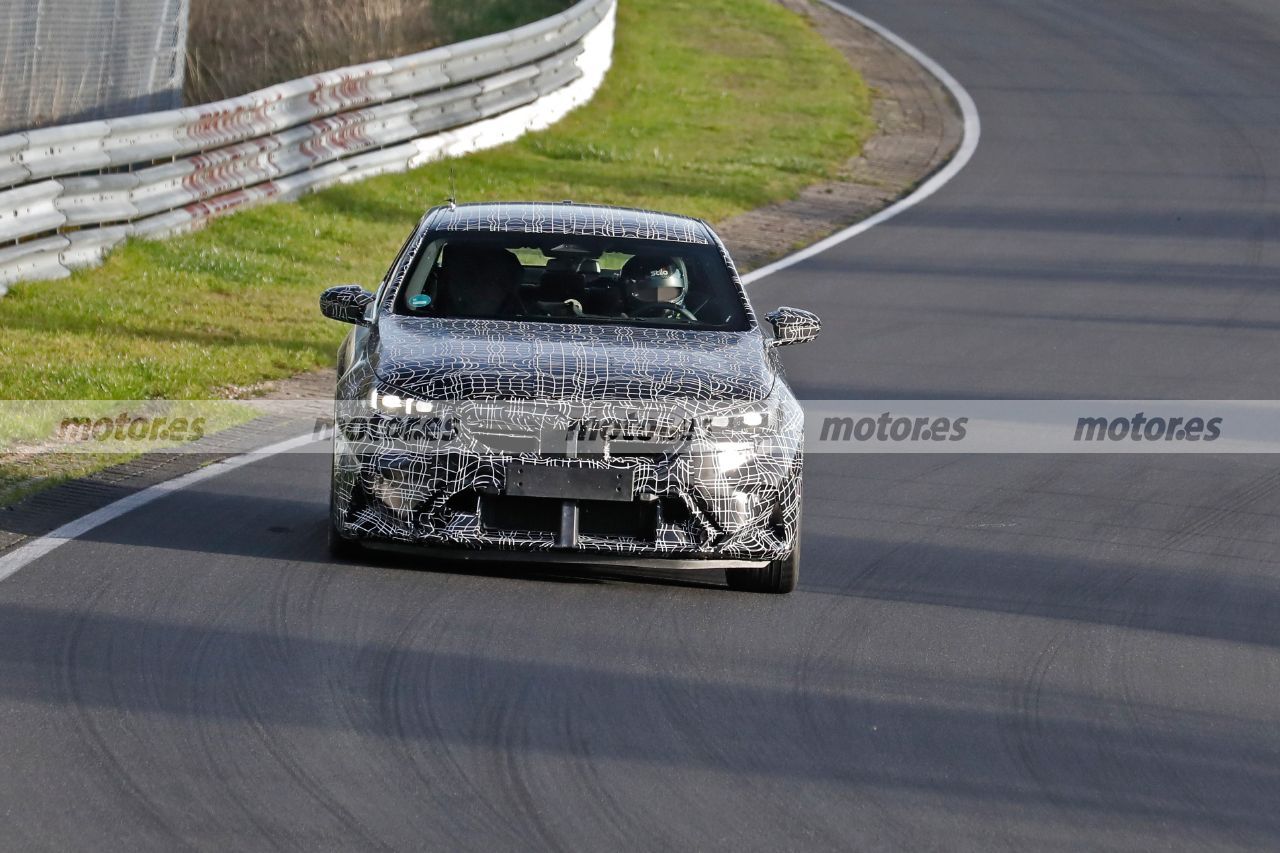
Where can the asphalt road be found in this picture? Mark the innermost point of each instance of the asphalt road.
(995, 652)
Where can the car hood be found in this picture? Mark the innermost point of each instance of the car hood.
(481, 359)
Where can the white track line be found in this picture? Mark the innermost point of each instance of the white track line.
(28, 553)
(31, 551)
(969, 144)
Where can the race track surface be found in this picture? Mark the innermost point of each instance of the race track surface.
(986, 653)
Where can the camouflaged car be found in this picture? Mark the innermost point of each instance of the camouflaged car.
(564, 382)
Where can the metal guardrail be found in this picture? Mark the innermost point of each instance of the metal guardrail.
(68, 194)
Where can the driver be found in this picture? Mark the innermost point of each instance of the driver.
(649, 280)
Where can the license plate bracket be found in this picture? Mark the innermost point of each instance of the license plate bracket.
(570, 482)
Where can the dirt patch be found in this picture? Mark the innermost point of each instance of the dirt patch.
(312, 385)
(919, 128)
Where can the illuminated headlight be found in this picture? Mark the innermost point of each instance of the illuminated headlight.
(394, 404)
(749, 420)
(731, 456)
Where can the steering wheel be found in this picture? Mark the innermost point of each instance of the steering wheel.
(667, 307)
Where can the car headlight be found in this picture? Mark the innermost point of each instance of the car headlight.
(398, 405)
(747, 420)
(730, 455)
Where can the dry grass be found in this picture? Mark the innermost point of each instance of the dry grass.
(237, 46)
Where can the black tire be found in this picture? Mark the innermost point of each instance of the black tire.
(779, 577)
(340, 548)
(343, 549)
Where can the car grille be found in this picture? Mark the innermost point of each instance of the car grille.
(601, 519)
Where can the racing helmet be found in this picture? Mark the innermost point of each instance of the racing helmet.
(653, 278)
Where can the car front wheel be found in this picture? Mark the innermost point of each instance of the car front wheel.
(779, 577)
(340, 548)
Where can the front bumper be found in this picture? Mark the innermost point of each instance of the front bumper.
(714, 504)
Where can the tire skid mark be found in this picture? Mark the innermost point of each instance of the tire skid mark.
(720, 731)
(513, 748)
(121, 778)
(420, 703)
(242, 676)
(845, 639)
(214, 753)
(1025, 731)
(405, 699)
(1239, 499)
(1141, 730)
(582, 717)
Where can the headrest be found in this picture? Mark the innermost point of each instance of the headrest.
(480, 278)
(559, 285)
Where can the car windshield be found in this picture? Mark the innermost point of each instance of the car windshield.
(566, 278)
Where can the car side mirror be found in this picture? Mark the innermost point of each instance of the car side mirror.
(793, 326)
(346, 304)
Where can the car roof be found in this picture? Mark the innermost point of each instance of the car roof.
(591, 220)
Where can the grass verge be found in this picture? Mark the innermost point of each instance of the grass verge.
(89, 435)
(713, 107)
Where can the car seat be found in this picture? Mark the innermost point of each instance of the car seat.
(481, 281)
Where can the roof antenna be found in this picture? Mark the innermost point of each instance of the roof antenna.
(453, 189)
